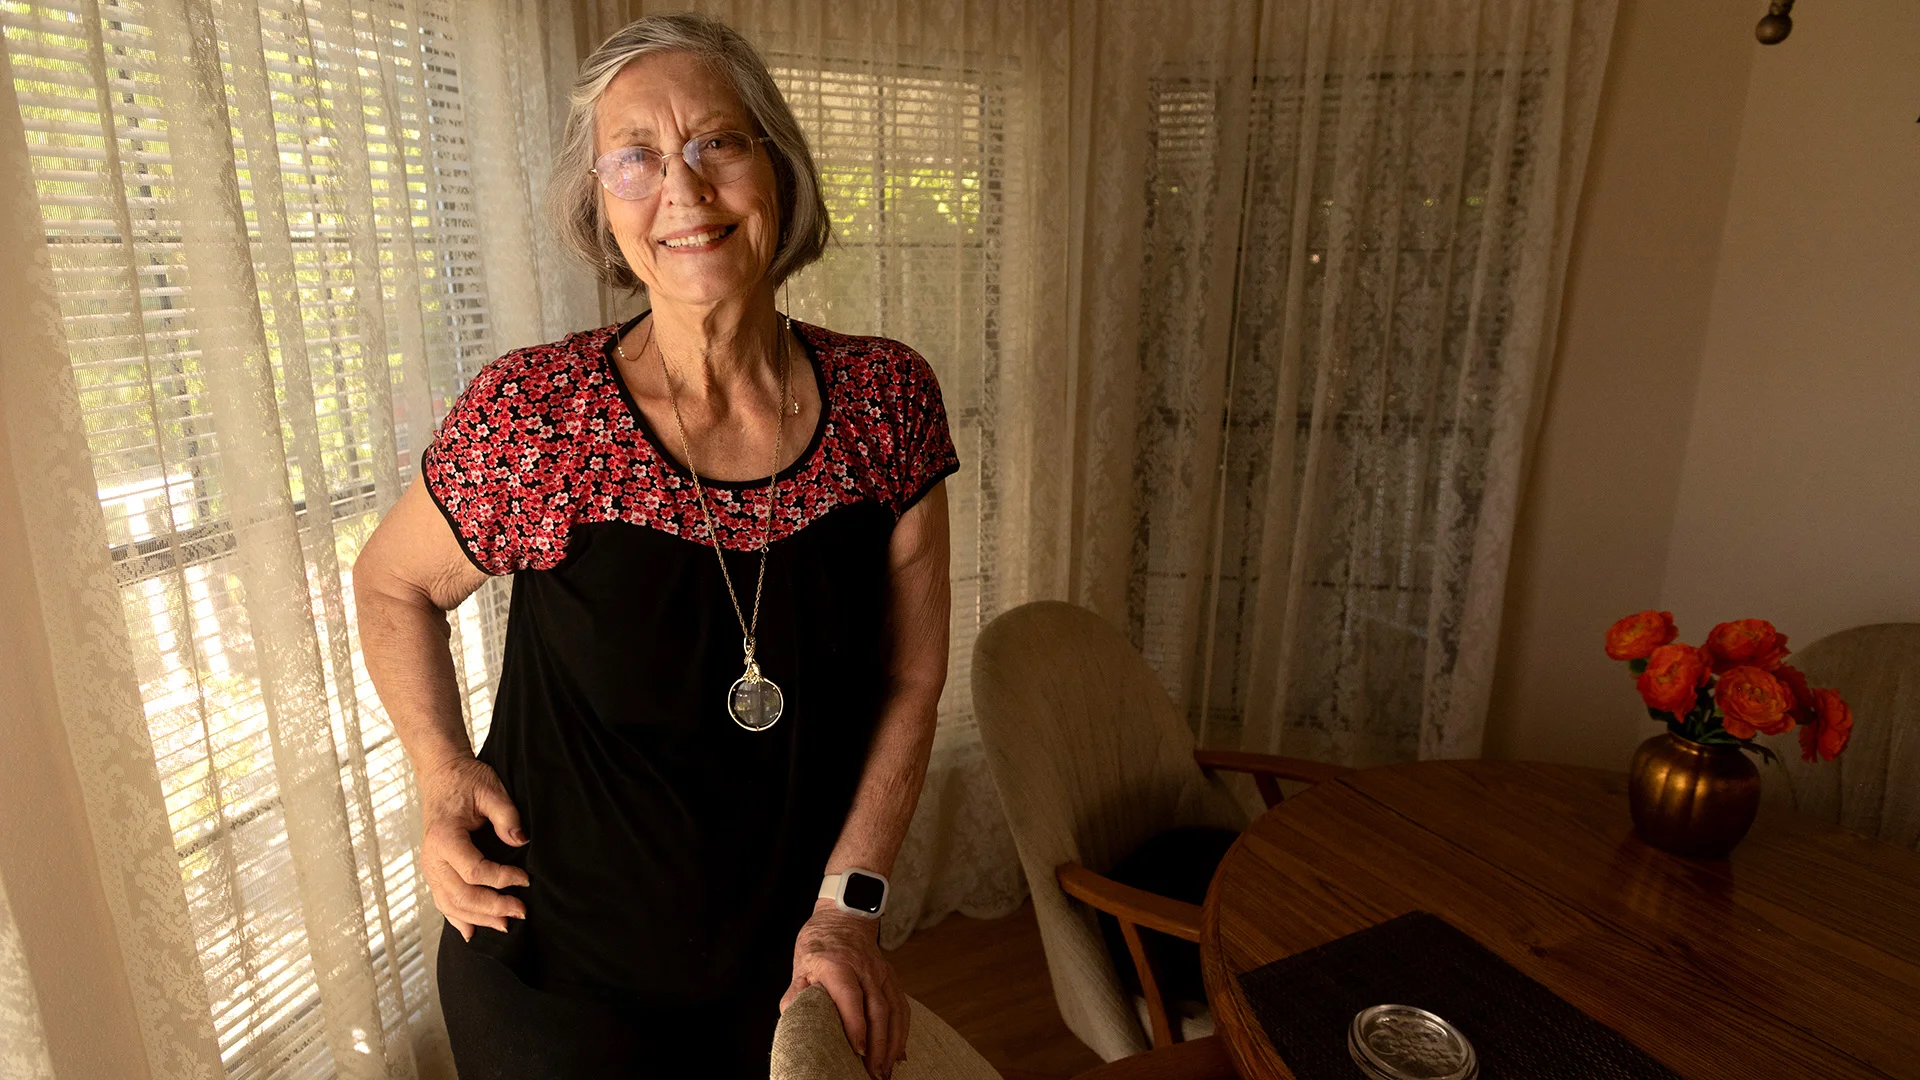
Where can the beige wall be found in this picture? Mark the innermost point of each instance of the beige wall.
(1800, 497)
(1734, 422)
(1591, 541)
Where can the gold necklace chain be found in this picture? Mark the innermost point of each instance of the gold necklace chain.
(749, 628)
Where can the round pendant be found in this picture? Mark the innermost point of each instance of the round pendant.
(755, 704)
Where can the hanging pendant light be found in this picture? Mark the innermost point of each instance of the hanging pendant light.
(1776, 24)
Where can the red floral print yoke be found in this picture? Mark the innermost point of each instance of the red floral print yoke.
(547, 438)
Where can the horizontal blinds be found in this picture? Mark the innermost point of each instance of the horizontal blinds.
(87, 82)
(914, 169)
(1396, 167)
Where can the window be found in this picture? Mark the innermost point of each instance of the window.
(1398, 305)
(371, 290)
(917, 176)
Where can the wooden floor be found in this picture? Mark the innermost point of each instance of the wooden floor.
(988, 979)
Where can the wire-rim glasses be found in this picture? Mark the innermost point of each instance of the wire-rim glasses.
(636, 172)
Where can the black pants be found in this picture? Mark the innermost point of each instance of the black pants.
(502, 1029)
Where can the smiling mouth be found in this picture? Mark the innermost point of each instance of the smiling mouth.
(700, 239)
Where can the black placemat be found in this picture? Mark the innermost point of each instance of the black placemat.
(1520, 1029)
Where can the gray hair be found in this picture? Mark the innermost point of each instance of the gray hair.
(573, 195)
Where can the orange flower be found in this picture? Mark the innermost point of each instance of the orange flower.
(1746, 641)
(1751, 700)
(1803, 707)
(1672, 679)
(1636, 636)
(1827, 733)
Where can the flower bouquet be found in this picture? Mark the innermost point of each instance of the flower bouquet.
(1736, 686)
(1691, 791)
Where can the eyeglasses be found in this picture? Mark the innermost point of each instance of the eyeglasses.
(636, 172)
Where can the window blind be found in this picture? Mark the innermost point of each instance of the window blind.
(1398, 167)
(366, 117)
(914, 163)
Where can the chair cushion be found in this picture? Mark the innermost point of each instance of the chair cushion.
(1179, 864)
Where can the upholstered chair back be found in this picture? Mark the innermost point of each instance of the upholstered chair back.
(1091, 759)
(810, 1044)
(1874, 787)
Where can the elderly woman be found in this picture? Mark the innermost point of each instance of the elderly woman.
(728, 631)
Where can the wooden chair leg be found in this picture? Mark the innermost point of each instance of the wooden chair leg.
(1162, 1027)
(1269, 789)
(1135, 908)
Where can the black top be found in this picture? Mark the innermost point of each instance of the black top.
(674, 855)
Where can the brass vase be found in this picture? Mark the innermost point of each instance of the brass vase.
(1691, 799)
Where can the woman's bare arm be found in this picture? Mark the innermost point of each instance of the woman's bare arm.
(919, 610)
(408, 576)
(841, 951)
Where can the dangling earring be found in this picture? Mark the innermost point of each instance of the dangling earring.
(788, 287)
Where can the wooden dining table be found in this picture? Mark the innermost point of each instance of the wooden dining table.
(1798, 956)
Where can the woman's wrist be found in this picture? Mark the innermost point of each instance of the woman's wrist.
(825, 912)
(439, 765)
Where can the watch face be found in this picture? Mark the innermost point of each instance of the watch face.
(863, 892)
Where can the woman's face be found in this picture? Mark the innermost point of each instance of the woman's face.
(692, 241)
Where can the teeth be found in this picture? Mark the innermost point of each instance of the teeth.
(696, 239)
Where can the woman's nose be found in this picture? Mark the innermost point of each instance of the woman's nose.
(684, 186)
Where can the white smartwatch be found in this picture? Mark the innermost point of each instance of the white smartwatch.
(856, 891)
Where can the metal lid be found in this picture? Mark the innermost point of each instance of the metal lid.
(1400, 1042)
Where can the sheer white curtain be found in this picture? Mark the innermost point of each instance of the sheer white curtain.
(258, 255)
(1312, 386)
(23, 1048)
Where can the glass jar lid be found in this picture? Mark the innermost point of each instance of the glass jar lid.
(1400, 1042)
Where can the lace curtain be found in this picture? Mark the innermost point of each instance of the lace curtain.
(256, 248)
(23, 1049)
(1241, 309)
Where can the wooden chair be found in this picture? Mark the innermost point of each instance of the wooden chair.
(1091, 759)
(1874, 787)
(810, 1044)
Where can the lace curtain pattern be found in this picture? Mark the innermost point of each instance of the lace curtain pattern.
(23, 1050)
(1311, 300)
(258, 270)
(1241, 310)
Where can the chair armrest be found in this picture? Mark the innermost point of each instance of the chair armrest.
(1128, 904)
(1266, 769)
(1135, 908)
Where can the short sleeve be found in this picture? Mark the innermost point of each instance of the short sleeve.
(923, 452)
(496, 469)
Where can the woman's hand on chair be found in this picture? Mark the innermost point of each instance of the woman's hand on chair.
(841, 952)
(455, 799)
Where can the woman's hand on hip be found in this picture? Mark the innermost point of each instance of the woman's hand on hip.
(455, 799)
(841, 952)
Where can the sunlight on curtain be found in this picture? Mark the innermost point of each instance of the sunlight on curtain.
(263, 234)
(23, 1044)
